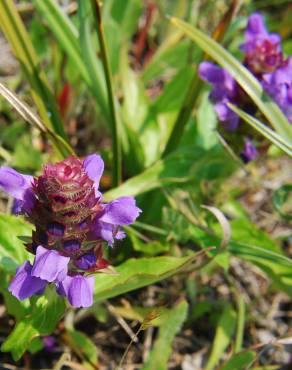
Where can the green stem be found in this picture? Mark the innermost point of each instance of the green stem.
(117, 160)
(240, 323)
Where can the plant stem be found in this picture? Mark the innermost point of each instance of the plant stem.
(117, 160)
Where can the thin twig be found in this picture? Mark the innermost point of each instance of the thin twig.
(122, 322)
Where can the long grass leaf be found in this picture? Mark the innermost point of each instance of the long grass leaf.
(28, 115)
(78, 49)
(271, 135)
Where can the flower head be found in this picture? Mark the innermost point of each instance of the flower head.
(71, 226)
(262, 50)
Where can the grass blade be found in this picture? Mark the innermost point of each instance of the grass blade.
(244, 78)
(223, 336)
(28, 115)
(18, 37)
(68, 37)
(271, 135)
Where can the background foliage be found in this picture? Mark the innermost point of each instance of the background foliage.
(126, 85)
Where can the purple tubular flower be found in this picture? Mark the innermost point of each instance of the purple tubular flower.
(18, 186)
(249, 152)
(49, 265)
(71, 226)
(120, 212)
(94, 166)
(224, 90)
(78, 289)
(24, 284)
(262, 50)
(278, 85)
(86, 261)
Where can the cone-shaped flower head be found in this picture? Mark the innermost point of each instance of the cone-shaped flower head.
(262, 50)
(71, 226)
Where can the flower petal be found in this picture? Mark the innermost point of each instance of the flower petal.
(14, 183)
(86, 261)
(78, 289)
(94, 167)
(104, 231)
(122, 211)
(24, 284)
(49, 265)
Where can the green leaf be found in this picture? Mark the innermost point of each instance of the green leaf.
(150, 248)
(125, 14)
(42, 319)
(137, 273)
(162, 346)
(274, 138)
(239, 361)
(244, 78)
(12, 250)
(206, 124)
(179, 167)
(223, 336)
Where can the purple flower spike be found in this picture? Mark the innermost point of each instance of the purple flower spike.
(78, 289)
(49, 265)
(224, 90)
(262, 50)
(24, 284)
(71, 226)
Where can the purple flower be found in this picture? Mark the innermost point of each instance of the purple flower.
(224, 90)
(78, 289)
(249, 152)
(71, 226)
(262, 50)
(19, 187)
(278, 84)
(120, 212)
(24, 284)
(49, 265)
